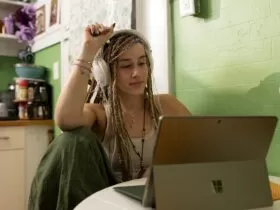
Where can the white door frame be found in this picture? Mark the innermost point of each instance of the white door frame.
(64, 43)
(153, 20)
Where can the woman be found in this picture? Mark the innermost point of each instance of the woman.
(121, 112)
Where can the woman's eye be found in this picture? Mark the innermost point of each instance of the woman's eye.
(130, 66)
(127, 67)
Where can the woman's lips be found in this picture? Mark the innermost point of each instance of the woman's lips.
(136, 83)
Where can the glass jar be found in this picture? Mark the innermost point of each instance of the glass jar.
(22, 90)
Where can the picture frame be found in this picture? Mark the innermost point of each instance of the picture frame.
(54, 13)
(41, 20)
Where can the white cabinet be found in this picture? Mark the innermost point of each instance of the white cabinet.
(21, 149)
(12, 179)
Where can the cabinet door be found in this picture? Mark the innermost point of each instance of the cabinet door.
(36, 143)
(12, 179)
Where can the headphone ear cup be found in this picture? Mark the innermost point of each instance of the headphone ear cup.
(101, 72)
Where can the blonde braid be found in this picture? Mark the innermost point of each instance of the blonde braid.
(121, 135)
(154, 109)
(124, 46)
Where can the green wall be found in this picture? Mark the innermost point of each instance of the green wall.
(47, 57)
(227, 61)
(7, 71)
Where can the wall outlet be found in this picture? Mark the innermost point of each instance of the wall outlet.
(56, 70)
(189, 7)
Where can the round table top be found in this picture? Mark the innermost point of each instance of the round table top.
(109, 199)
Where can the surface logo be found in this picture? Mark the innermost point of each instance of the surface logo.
(217, 186)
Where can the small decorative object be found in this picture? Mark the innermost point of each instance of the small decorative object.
(2, 27)
(26, 55)
(40, 20)
(25, 20)
(9, 25)
(22, 25)
(54, 13)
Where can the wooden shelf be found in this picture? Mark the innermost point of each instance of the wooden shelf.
(8, 37)
(29, 79)
(9, 45)
(11, 5)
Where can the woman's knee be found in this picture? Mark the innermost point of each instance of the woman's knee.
(77, 136)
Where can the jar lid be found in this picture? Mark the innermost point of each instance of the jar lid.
(23, 82)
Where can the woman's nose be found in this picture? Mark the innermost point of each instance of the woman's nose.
(135, 71)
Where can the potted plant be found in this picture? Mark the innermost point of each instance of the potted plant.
(23, 25)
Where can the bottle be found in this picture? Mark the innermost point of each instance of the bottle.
(40, 101)
(40, 111)
(30, 91)
(37, 94)
(22, 111)
(44, 101)
(49, 101)
(3, 110)
(30, 110)
(36, 100)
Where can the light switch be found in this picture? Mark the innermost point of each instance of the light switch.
(187, 7)
(56, 70)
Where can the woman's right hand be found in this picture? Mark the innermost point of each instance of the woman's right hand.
(94, 37)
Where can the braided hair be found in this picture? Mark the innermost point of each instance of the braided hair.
(116, 46)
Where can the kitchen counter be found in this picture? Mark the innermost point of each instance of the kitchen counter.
(26, 122)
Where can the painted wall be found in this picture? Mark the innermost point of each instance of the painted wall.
(7, 71)
(47, 57)
(84, 12)
(227, 61)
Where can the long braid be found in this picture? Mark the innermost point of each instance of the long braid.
(121, 133)
(111, 51)
(153, 108)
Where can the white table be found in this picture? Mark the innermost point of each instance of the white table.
(108, 199)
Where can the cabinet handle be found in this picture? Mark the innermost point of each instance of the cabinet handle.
(4, 137)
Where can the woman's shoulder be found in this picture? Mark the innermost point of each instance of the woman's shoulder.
(170, 105)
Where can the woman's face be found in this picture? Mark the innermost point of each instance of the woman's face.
(132, 70)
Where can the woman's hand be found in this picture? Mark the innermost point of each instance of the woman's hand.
(94, 37)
